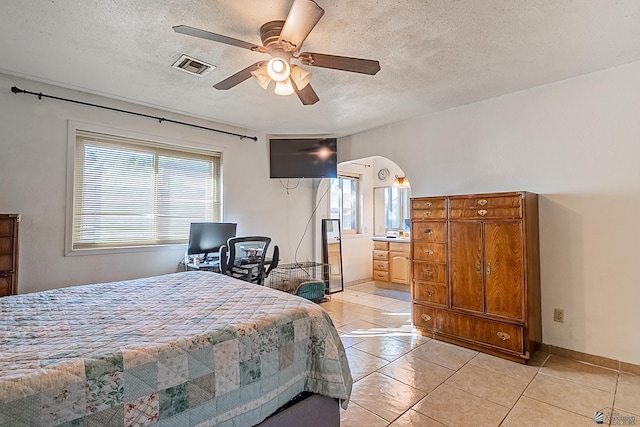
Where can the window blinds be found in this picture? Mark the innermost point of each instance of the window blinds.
(129, 192)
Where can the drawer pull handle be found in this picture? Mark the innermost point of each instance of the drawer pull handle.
(428, 231)
(430, 292)
(427, 213)
(482, 202)
(428, 204)
(482, 212)
(429, 273)
(503, 336)
(425, 317)
(428, 251)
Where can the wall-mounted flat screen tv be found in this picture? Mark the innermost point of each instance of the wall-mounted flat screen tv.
(303, 158)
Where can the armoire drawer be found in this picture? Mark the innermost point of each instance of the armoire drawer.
(428, 203)
(480, 213)
(6, 262)
(479, 207)
(429, 231)
(428, 213)
(485, 202)
(434, 252)
(430, 272)
(5, 285)
(6, 227)
(433, 293)
(479, 331)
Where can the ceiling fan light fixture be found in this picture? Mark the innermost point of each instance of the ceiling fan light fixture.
(262, 77)
(284, 88)
(278, 69)
(300, 77)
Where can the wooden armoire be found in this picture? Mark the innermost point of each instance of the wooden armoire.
(476, 273)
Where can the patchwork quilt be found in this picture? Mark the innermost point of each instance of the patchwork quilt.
(185, 349)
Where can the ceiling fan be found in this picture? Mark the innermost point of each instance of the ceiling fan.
(283, 40)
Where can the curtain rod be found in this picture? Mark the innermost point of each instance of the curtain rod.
(41, 95)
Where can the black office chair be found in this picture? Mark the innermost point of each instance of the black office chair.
(245, 258)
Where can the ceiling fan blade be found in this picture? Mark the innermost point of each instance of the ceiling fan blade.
(303, 16)
(344, 63)
(196, 32)
(307, 95)
(238, 77)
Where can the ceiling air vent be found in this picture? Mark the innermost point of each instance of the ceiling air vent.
(193, 66)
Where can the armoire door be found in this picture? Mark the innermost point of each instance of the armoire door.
(504, 269)
(466, 270)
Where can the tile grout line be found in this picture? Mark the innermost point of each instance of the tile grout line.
(564, 379)
(525, 389)
(384, 301)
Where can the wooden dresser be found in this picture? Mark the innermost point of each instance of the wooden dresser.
(9, 254)
(476, 274)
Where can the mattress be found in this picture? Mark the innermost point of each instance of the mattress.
(191, 348)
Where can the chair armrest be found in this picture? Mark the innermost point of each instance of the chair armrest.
(223, 259)
(274, 260)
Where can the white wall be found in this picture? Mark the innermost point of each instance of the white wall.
(577, 144)
(33, 168)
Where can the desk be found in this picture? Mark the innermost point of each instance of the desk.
(215, 267)
(247, 269)
(203, 266)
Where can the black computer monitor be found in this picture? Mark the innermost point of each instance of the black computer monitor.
(207, 237)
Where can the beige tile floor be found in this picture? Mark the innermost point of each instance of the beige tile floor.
(404, 379)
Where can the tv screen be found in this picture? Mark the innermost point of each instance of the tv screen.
(207, 237)
(303, 158)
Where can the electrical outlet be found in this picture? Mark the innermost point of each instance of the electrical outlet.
(558, 315)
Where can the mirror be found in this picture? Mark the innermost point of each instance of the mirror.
(332, 254)
(391, 209)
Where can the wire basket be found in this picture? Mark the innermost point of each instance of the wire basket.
(293, 277)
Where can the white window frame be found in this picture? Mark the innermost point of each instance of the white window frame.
(358, 204)
(178, 145)
(401, 208)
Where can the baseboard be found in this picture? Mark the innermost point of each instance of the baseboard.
(593, 359)
(357, 282)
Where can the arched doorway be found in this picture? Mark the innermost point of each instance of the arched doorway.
(368, 204)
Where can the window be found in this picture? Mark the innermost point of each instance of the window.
(129, 192)
(344, 202)
(396, 206)
(391, 207)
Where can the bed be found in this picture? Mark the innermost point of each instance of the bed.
(191, 348)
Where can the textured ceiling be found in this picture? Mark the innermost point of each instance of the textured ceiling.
(434, 55)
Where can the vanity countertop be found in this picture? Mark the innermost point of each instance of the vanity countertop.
(390, 239)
